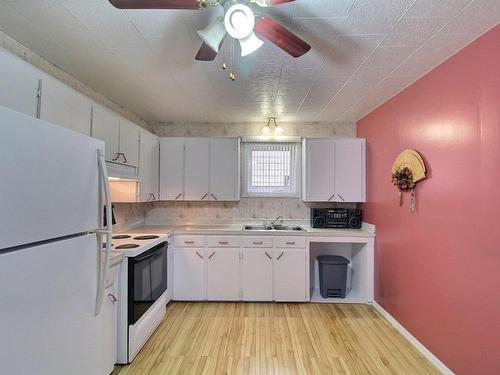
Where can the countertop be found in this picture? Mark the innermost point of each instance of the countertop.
(367, 230)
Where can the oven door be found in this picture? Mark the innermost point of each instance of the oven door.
(147, 280)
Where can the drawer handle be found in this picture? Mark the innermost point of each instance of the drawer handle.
(290, 242)
(112, 298)
(279, 257)
(223, 242)
(211, 255)
(258, 242)
(201, 256)
(188, 242)
(269, 256)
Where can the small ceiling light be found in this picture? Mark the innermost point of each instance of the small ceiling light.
(213, 34)
(272, 125)
(239, 22)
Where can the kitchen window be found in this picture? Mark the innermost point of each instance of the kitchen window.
(271, 169)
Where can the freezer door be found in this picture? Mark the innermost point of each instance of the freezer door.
(50, 180)
(47, 310)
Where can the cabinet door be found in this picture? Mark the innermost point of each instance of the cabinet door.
(106, 127)
(290, 275)
(189, 274)
(257, 275)
(196, 169)
(224, 169)
(129, 142)
(223, 274)
(171, 168)
(149, 164)
(19, 83)
(64, 106)
(350, 170)
(319, 170)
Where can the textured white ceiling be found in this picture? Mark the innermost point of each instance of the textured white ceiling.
(364, 52)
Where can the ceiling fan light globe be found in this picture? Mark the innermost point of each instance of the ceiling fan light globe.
(213, 34)
(239, 21)
(250, 44)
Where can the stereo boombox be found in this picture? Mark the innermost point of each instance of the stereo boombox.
(336, 218)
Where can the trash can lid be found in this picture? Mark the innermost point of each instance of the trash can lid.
(332, 259)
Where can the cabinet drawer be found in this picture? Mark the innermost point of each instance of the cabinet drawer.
(258, 241)
(289, 242)
(189, 241)
(223, 241)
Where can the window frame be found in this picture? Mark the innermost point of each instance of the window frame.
(295, 189)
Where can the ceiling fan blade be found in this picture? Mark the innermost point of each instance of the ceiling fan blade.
(155, 4)
(268, 3)
(280, 36)
(205, 53)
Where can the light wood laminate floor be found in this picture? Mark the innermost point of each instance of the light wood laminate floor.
(273, 338)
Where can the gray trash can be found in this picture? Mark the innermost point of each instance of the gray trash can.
(332, 276)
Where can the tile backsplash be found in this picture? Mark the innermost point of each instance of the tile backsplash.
(246, 208)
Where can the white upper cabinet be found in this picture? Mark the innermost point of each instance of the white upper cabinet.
(129, 143)
(18, 84)
(171, 169)
(106, 127)
(350, 170)
(334, 170)
(149, 166)
(61, 105)
(318, 170)
(196, 169)
(199, 169)
(224, 169)
(120, 135)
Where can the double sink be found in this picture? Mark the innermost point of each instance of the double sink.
(283, 228)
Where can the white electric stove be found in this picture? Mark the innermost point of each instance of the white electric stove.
(145, 288)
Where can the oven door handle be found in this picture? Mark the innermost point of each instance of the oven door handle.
(147, 255)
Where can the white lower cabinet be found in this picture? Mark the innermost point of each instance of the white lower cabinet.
(257, 275)
(215, 268)
(289, 275)
(223, 274)
(189, 274)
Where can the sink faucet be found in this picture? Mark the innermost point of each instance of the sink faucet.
(279, 218)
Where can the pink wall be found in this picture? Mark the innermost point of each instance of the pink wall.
(438, 271)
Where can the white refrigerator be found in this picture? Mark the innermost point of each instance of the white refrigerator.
(54, 315)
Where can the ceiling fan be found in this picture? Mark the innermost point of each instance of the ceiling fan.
(239, 21)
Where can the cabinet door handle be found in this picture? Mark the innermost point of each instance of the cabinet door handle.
(188, 242)
(211, 255)
(151, 197)
(223, 242)
(115, 158)
(199, 255)
(124, 158)
(279, 257)
(213, 196)
(331, 198)
(269, 256)
(258, 242)
(340, 196)
(177, 197)
(112, 298)
(290, 242)
(204, 196)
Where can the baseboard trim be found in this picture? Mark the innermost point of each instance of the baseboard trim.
(417, 344)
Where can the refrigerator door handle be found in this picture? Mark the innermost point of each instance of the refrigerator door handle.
(107, 231)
